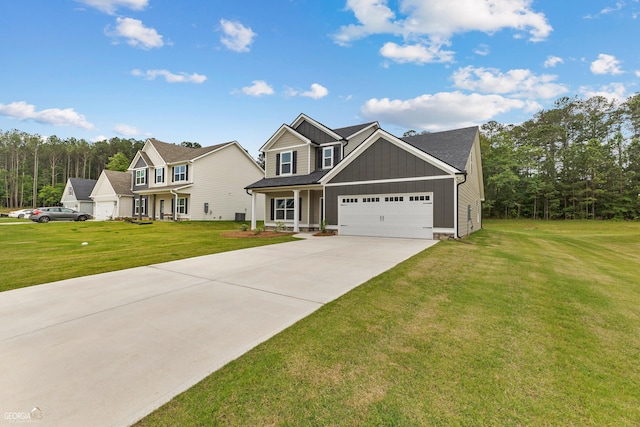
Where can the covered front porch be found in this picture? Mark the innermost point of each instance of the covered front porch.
(296, 209)
(165, 204)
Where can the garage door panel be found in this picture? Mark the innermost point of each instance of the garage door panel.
(386, 215)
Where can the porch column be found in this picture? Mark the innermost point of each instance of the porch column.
(154, 208)
(253, 210)
(296, 220)
(139, 207)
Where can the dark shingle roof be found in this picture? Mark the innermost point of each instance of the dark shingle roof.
(285, 181)
(452, 146)
(350, 130)
(120, 181)
(172, 153)
(82, 188)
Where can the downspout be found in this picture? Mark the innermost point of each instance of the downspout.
(464, 174)
(175, 205)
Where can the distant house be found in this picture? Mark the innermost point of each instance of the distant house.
(361, 180)
(180, 183)
(112, 195)
(77, 193)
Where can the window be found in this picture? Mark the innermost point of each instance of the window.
(182, 205)
(284, 209)
(141, 177)
(180, 173)
(327, 157)
(160, 175)
(137, 206)
(70, 190)
(286, 163)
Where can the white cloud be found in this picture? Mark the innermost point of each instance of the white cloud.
(259, 88)
(613, 92)
(317, 91)
(52, 116)
(442, 110)
(110, 6)
(170, 77)
(606, 64)
(520, 83)
(417, 53)
(637, 73)
(438, 20)
(99, 138)
(126, 130)
(552, 61)
(136, 33)
(236, 37)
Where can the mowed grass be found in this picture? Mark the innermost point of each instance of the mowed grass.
(34, 253)
(524, 323)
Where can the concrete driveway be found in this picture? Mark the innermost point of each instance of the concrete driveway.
(106, 350)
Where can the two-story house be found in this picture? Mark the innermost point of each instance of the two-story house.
(180, 183)
(362, 180)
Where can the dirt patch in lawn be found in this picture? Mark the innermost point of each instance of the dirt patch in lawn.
(254, 235)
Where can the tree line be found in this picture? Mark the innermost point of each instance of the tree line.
(577, 160)
(34, 170)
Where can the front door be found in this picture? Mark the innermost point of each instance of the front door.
(161, 209)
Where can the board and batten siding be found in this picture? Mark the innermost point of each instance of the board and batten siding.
(219, 180)
(386, 161)
(313, 133)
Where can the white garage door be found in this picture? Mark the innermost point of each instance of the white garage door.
(105, 210)
(387, 215)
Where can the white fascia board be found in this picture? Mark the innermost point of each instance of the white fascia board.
(303, 117)
(380, 133)
(279, 133)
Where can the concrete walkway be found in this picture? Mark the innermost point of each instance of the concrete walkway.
(108, 349)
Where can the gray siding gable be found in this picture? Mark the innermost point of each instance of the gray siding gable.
(313, 133)
(140, 163)
(384, 160)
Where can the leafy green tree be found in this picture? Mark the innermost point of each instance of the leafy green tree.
(118, 162)
(50, 195)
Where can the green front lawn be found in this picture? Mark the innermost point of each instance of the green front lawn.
(34, 253)
(524, 323)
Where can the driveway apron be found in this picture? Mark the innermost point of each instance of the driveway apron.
(108, 349)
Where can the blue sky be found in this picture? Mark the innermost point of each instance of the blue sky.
(216, 71)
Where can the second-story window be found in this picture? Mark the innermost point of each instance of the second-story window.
(327, 157)
(286, 161)
(159, 175)
(180, 173)
(141, 177)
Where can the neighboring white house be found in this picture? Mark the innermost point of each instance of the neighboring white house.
(112, 195)
(76, 195)
(173, 182)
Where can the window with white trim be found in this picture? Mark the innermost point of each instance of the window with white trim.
(286, 162)
(159, 175)
(327, 157)
(182, 205)
(180, 173)
(141, 176)
(284, 209)
(137, 206)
